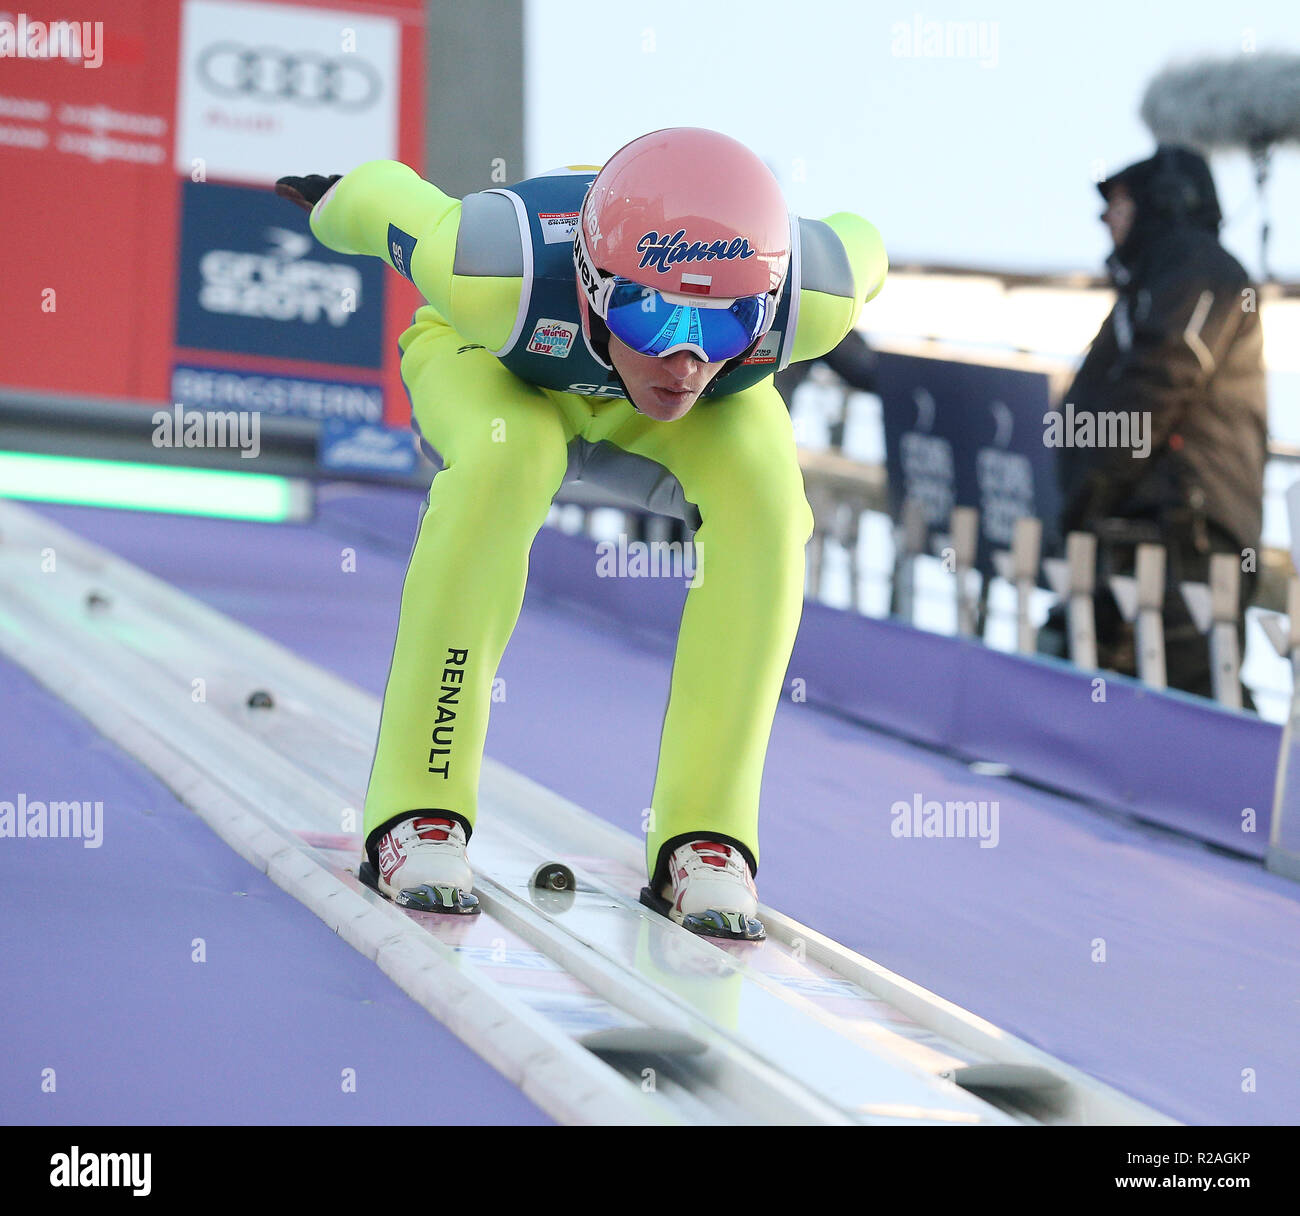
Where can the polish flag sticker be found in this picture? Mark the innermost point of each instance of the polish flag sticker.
(698, 284)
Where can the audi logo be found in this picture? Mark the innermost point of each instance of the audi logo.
(231, 69)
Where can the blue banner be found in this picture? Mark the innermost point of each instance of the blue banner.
(217, 388)
(254, 280)
(969, 435)
(347, 447)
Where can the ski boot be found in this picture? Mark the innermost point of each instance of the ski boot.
(422, 865)
(711, 892)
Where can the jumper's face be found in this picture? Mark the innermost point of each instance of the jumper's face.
(664, 387)
(1119, 214)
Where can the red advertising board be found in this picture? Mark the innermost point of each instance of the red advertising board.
(146, 253)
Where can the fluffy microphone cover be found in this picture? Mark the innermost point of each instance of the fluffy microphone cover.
(1249, 101)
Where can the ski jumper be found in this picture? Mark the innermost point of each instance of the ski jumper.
(513, 402)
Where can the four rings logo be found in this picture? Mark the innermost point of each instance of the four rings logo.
(264, 73)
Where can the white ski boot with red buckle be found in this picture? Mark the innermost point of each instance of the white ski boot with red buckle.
(422, 865)
(712, 892)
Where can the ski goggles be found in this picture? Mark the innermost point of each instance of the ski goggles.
(652, 323)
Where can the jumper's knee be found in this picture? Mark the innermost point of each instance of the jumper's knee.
(774, 511)
(507, 484)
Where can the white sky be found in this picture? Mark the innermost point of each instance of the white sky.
(983, 161)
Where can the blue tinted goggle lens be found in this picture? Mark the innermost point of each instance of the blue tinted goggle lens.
(640, 317)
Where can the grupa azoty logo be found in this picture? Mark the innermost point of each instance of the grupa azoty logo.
(280, 283)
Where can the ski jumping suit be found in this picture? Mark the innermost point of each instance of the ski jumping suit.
(511, 399)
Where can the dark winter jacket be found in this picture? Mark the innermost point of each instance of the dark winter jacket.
(1183, 345)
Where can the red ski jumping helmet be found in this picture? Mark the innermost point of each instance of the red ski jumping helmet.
(683, 243)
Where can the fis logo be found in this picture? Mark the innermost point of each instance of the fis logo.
(768, 349)
(664, 251)
(557, 227)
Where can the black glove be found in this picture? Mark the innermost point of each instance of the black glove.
(305, 191)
